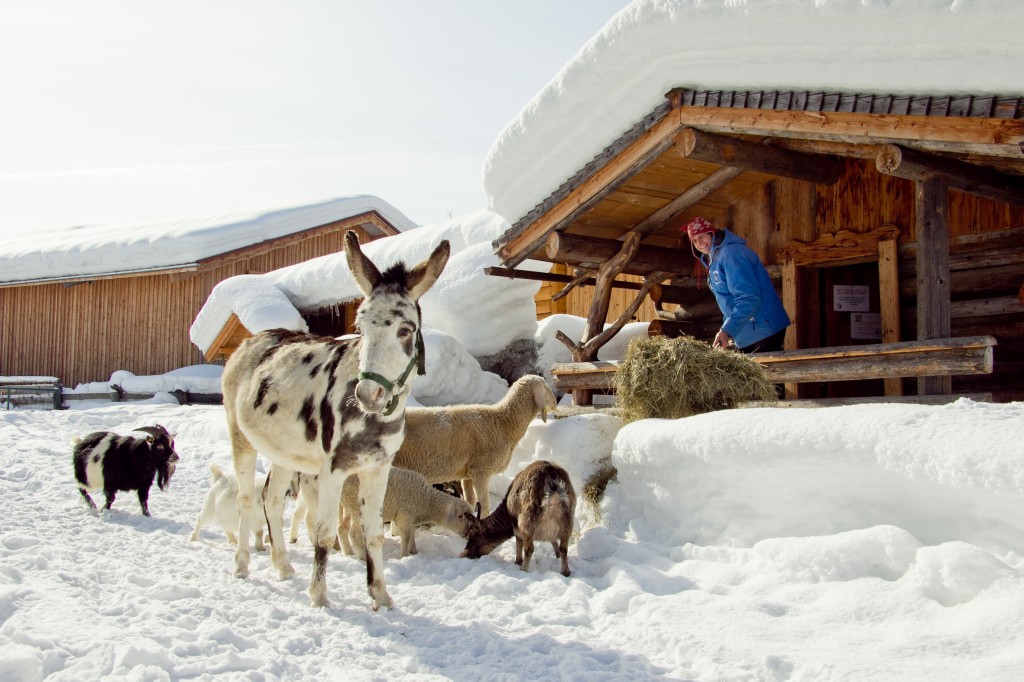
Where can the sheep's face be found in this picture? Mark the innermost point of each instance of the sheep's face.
(461, 519)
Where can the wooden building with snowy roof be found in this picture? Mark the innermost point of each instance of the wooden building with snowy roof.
(82, 303)
(888, 207)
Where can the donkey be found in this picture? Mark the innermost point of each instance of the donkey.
(325, 407)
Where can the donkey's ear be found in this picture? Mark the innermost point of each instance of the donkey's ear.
(365, 273)
(423, 276)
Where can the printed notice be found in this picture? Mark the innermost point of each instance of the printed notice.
(850, 298)
(865, 325)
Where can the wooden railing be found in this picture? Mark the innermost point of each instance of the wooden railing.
(30, 392)
(934, 357)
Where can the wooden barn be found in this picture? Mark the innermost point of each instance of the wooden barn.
(893, 227)
(80, 322)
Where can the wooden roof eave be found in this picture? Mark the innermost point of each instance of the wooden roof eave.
(515, 246)
(852, 133)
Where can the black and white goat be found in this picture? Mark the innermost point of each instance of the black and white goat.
(106, 460)
(328, 407)
(539, 505)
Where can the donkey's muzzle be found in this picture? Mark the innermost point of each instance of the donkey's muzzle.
(371, 395)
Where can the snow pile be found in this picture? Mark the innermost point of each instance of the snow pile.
(483, 313)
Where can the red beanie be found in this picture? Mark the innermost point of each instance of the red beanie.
(698, 226)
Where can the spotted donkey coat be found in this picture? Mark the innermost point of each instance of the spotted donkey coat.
(327, 407)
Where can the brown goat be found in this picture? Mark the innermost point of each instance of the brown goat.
(539, 505)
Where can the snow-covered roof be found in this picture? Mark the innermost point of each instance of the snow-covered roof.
(481, 312)
(913, 47)
(97, 251)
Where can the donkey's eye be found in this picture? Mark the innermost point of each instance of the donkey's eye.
(404, 333)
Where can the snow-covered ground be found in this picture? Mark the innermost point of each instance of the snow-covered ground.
(876, 542)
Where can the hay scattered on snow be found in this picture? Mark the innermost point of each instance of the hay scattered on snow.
(671, 378)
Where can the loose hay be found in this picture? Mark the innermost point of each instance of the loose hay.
(671, 378)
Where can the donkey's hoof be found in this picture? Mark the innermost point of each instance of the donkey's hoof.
(385, 601)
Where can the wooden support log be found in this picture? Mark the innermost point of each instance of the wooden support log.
(738, 153)
(553, 277)
(682, 295)
(701, 310)
(597, 375)
(931, 223)
(591, 252)
(704, 330)
(935, 357)
(1001, 279)
(670, 211)
(912, 164)
(922, 364)
(929, 358)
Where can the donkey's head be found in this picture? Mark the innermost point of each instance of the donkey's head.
(389, 321)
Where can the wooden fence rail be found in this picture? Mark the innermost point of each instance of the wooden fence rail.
(934, 357)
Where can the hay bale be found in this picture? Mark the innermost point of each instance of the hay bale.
(671, 378)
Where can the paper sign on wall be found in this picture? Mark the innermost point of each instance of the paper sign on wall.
(865, 325)
(851, 298)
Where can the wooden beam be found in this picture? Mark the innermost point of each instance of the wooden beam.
(553, 277)
(842, 248)
(904, 162)
(591, 252)
(931, 215)
(889, 302)
(691, 197)
(515, 246)
(730, 151)
(987, 136)
(947, 357)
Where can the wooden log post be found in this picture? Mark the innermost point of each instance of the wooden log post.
(931, 204)
(889, 303)
(596, 335)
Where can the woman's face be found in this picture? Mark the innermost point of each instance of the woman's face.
(702, 242)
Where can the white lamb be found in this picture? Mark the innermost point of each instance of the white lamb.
(221, 507)
(409, 502)
(472, 443)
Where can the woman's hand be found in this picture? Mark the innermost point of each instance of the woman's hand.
(722, 340)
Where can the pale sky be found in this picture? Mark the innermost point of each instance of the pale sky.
(116, 111)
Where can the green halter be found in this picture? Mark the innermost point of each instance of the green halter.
(418, 360)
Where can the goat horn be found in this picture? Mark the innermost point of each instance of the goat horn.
(154, 431)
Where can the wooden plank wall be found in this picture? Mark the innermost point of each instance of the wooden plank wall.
(862, 200)
(85, 332)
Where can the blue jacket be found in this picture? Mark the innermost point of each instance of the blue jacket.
(744, 291)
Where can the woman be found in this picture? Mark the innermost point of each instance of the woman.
(755, 320)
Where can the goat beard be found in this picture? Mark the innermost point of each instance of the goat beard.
(163, 477)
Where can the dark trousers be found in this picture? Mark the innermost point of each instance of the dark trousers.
(766, 345)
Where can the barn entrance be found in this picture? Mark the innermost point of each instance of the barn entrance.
(844, 291)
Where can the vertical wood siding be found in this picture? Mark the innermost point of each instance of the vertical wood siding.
(85, 332)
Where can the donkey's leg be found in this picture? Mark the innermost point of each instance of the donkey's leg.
(300, 511)
(243, 456)
(373, 484)
(324, 531)
(277, 485)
